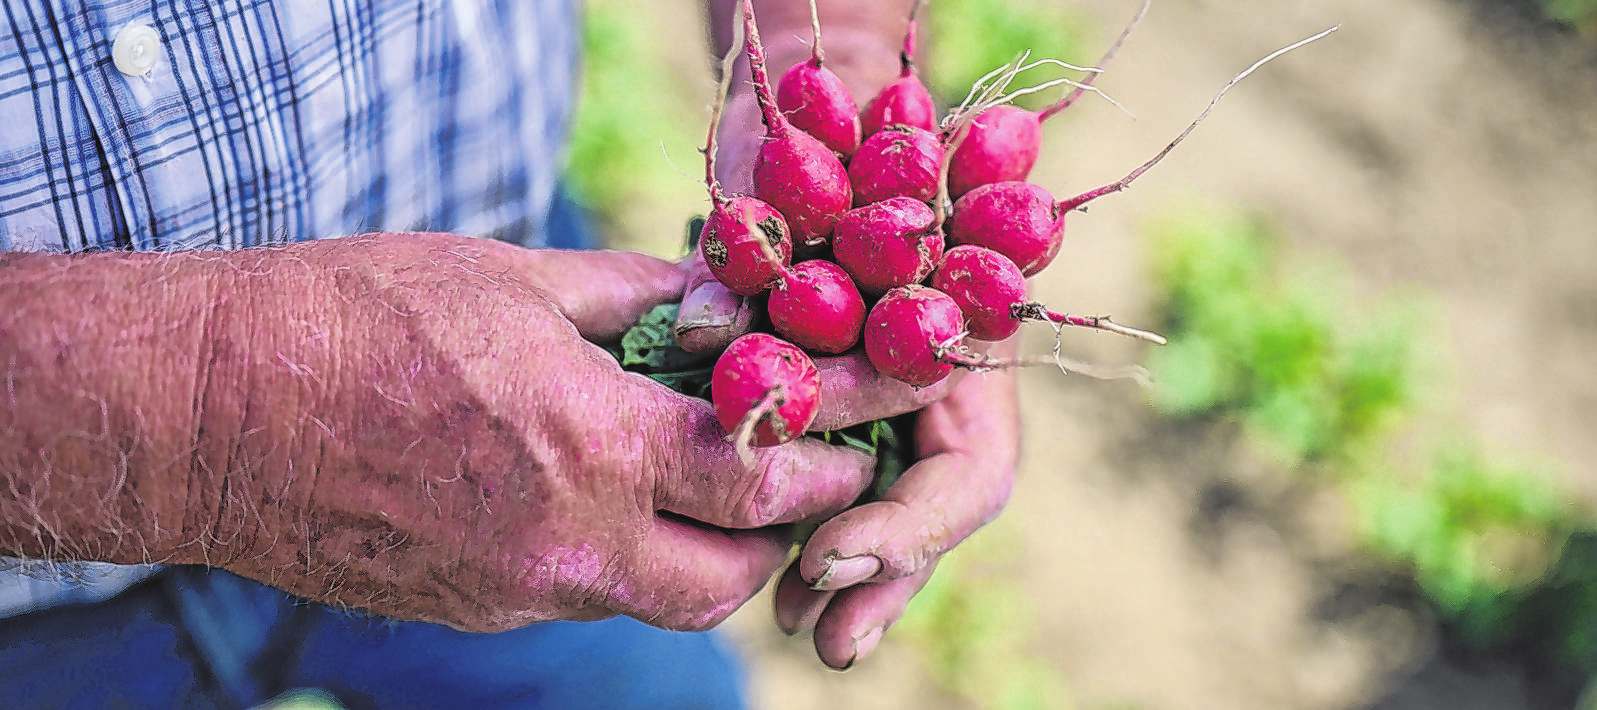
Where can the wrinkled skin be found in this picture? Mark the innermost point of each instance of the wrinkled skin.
(858, 571)
(418, 425)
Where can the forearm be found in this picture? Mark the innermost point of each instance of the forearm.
(132, 403)
(861, 41)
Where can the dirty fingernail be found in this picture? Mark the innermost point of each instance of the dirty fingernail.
(847, 572)
(864, 645)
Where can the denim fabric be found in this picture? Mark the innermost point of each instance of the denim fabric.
(200, 638)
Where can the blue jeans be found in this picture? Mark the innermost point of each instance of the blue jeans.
(194, 637)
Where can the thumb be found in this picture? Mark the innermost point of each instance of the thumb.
(711, 316)
(603, 293)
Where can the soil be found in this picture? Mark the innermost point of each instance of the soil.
(1435, 147)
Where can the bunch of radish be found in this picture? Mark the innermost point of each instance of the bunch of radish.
(888, 226)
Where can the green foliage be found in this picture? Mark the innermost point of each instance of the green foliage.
(650, 348)
(973, 37)
(629, 108)
(1496, 548)
(1316, 376)
(1473, 530)
(1578, 13)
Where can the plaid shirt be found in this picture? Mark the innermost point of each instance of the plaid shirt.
(176, 124)
(182, 124)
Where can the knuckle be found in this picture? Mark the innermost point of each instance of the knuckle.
(702, 615)
(759, 502)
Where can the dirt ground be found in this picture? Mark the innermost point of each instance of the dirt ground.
(1439, 147)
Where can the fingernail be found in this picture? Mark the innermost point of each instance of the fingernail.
(864, 645)
(707, 307)
(847, 572)
(793, 618)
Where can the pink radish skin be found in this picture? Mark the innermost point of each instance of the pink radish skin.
(906, 101)
(897, 161)
(818, 307)
(742, 234)
(889, 243)
(763, 376)
(1017, 219)
(816, 102)
(794, 172)
(1023, 222)
(733, 251)
(986, 285)
(1001, 144)
(905, 329)
(991, 292)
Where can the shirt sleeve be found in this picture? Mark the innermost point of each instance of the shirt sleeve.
(198, 125)
(138, 125)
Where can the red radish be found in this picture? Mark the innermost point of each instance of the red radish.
(906, 101)
(985, 284)
(733, 250)
(905, 331)
(765, 390)
(818, 307)
(897, 161)
(816, 101)
(991, 292)
(1017, 219)
(794, 172)
(739, 231)
(1023, 222)
(914, 335)
(1002, 143)
(889, 243)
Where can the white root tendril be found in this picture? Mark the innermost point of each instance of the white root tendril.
(992, 89)
(723, 84)
(743, 435)
(1068, 365)
(1076, 202)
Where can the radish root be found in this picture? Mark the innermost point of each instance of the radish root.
(1103, 63)
(743, 435)
(1121, 184)
(1037, 311)
(954, 352)
(723, 85)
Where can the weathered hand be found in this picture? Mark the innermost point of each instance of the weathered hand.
(858, 571)
(458, 450)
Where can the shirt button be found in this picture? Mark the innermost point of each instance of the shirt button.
(136, 49)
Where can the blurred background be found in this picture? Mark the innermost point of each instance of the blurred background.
(1363, 478)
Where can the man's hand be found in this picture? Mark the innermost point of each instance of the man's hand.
(858, 571)
(416, 425)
